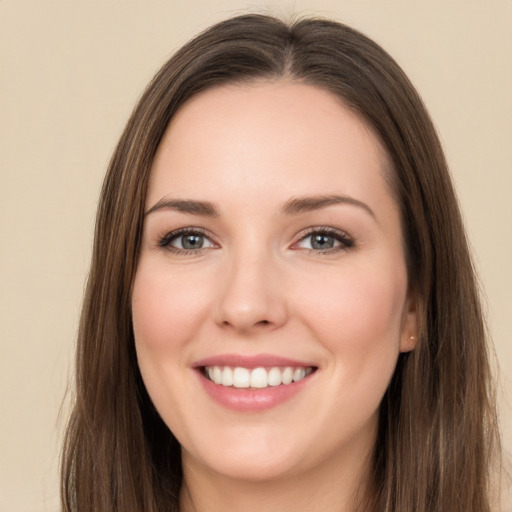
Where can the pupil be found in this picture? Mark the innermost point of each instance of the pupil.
(192, 241)
(322, 242)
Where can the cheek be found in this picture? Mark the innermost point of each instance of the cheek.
(358, 313)
(359, 321)
(165, 309)
(166, 313)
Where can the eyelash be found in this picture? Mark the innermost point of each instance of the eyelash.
(165, 241)
(345, 240)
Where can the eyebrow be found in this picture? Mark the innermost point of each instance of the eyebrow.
(293, 206)
(204, 208)
(298, 205)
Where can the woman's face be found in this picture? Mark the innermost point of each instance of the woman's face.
(272, 251)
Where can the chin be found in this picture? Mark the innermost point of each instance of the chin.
(251, 465)
(256, 471)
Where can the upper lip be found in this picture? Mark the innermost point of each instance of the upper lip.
(256, 361)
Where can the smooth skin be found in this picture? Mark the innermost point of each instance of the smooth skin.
(325, 283)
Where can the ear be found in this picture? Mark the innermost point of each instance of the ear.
(410, 324)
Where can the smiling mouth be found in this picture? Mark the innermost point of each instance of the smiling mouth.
(256, 378)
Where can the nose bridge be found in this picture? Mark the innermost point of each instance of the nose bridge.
(250, 295)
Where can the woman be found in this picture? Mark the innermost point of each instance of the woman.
(281, 310)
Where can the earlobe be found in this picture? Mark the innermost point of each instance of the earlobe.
(408, 345)
(409, 338)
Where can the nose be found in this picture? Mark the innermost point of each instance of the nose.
(251, 296)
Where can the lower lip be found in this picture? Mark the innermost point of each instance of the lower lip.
(252, 399)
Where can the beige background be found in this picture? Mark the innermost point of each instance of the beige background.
(70, 73)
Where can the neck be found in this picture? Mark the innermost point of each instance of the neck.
(332, 488)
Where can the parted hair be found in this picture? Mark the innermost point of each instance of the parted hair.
(437, 440)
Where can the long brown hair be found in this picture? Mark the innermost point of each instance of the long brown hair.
(437, 432)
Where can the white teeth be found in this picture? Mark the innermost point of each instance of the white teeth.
(240, 377)
(259, 378)
(274, 377)
(287, 376)
(227, 376)
(217, 375)
(299, 374)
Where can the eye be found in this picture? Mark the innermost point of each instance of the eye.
(324, 239)
(185, 241)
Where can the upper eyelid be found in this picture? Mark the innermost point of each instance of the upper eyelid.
(304, 233)
(322, 229)
(345, 239)
(175, 233)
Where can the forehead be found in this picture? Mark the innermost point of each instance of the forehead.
(280, 135)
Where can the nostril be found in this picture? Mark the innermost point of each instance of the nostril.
(259, 323)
